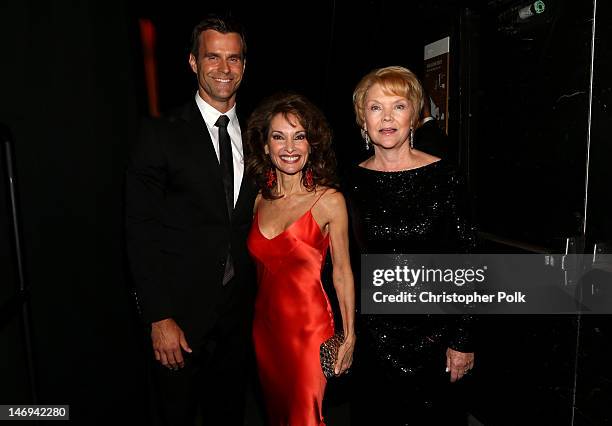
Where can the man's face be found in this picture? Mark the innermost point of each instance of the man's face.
(219, 68)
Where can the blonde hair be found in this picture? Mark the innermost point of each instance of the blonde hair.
(394, 80)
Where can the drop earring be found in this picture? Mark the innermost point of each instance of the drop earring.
(309, 178)
(411, 136)
(366, 138)
(270, 178)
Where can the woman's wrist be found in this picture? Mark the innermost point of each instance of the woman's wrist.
(349, 335)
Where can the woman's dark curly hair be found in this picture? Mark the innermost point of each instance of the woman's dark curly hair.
(322, 160)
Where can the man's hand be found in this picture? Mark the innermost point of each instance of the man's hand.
(168, 339)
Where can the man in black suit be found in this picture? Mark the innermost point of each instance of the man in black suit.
(428, 137)
(189, 210)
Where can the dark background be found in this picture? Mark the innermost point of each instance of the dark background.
(522, 118)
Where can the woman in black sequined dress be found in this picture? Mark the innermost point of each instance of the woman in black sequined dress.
(406, 201)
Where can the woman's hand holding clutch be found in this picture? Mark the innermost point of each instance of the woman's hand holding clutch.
(345, 355)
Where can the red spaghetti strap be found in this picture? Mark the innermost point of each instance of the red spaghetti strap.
(317, 200)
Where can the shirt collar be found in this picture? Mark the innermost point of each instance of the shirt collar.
(211, 115)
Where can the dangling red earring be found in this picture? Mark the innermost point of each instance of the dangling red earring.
(271, 178)
(309, 178)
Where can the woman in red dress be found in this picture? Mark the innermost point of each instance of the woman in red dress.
(298, 215)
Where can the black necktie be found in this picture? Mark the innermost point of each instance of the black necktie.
(226, 161)
(227, 170)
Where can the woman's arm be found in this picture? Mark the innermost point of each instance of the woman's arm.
(333, 207)
(460, 355)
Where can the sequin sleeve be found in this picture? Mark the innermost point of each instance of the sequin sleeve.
(459, 205)
(462, 327)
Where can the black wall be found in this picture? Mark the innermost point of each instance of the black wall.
(72, 91)
(67, 93)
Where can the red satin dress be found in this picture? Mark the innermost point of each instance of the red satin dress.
(292, 318)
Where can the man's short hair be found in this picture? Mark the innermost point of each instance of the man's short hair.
(221, 24)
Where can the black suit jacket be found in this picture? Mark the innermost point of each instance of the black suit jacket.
(178, 229)
(431, 139)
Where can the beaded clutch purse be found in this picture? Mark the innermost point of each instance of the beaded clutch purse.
(328, 353)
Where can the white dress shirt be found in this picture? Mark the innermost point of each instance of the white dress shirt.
(210, 116)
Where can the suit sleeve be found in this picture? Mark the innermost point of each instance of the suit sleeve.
(146, 183)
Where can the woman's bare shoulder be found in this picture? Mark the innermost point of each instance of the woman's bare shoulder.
(332, 199)
(257, 202)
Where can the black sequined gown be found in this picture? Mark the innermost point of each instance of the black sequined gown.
(402, 357)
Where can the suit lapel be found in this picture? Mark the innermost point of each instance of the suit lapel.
(198, 132)
(201, 141)
(200, 138)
